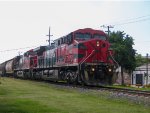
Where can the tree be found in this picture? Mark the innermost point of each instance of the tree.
(140, 60)
(123, 51)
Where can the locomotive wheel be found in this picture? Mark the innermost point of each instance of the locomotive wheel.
(100, 77)
(71, 76)
(15, 74)
(86, 76)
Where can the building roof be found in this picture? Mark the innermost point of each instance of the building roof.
(143, 67)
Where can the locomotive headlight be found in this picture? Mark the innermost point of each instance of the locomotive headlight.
(109, 69)
(97, 43)
(93, 69)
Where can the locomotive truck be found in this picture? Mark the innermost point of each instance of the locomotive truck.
(82, 56)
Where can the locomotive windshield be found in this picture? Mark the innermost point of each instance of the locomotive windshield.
(87, 36)
(82, 36)
(99, 36)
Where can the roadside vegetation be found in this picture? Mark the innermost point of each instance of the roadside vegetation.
(143, 88)
(23, 96)
(124, 53)
(140, 60)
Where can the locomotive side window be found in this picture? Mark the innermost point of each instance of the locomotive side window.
(82, 36)
(62, 40)
(58, 42)
(65, 40)
(69, 38)
(99, 36)
(31, 61)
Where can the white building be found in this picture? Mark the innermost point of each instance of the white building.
(139, 76)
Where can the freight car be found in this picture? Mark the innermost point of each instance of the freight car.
(7, 68)
(82, 56)
(2, 69)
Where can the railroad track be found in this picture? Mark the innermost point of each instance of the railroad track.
(105, 88)
(135, 96)
(110, 89)
(128, 91)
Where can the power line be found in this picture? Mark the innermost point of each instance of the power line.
(16, 49)
(108, 28)
(146, 19)
(139, 17)
(131, 20)
(26, 47)
(128, 21)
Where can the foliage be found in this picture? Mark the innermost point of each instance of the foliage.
(143, 88)
(140, 60)
(124, 52)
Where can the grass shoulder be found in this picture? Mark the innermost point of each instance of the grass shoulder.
(24, 96)
(143, 88)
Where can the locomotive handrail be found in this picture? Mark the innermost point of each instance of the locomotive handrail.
(84, 61)
(86, 57)
(114, 59)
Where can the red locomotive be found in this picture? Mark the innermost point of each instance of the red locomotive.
(82, 56)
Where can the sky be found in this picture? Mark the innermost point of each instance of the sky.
(25, 24)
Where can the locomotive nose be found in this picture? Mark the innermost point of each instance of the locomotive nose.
(100, 51)
(100, 44)
(97, 43)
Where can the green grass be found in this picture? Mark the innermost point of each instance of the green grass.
(23, 96)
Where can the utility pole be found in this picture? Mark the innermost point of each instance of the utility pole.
(108, 28)
(19, 53)
(127, 36)
(49, 35)
(147, 69)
